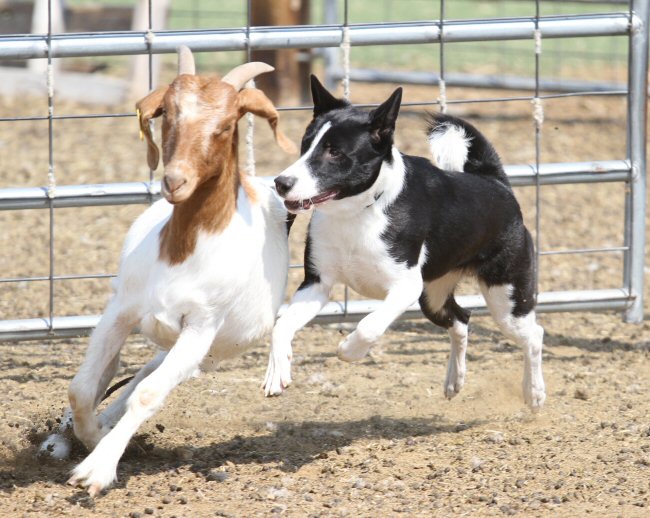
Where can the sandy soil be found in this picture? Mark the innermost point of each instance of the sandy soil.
(376, 438)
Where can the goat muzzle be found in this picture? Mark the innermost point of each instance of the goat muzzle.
(172, 185)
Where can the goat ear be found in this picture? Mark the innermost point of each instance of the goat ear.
(382, 119)
(149, 108)
(323, 100)
(252, 100)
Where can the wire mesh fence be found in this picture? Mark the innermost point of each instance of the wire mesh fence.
(446, 47)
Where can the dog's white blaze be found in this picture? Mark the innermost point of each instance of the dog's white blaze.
(449, 146)
(526, 333)
(306, 185)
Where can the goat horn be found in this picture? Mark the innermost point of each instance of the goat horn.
(185, 61)
(240, 75)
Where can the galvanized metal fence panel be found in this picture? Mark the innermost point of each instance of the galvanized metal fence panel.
(630, 169)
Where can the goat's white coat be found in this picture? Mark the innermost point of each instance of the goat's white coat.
(216, 303)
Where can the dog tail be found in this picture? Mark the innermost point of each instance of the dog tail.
(456, 145)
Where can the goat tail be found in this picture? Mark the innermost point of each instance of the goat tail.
(456, 145)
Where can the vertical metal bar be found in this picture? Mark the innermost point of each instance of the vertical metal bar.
(345, 46)
(331, 56)
(442, 84)
(537, 149)
(636, 135)
(151, 123)
(346, 91)
(150, 27)
(248, 29)
(51, 174)
(250, 118)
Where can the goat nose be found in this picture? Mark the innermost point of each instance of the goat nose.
(283, 184)
(173, 182)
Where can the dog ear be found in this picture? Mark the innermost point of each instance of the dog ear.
(149, 108)
(382, 119)
(323, 100)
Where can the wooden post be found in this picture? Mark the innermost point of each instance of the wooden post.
(40, 26)
(139, 75)
(290, 81)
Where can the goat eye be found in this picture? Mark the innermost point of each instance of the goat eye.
(219, 131)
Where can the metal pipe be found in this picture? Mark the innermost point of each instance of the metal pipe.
(74, 326)
(261, 38)
(637, 118)
(141, 192)
(364, 75)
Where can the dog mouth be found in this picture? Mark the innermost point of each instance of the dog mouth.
(303, 205)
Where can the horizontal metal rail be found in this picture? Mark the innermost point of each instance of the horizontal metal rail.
(142, 192)
(310, 36)
(593, 300)
(501, 82)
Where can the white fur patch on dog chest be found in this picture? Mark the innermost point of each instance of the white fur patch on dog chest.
(351, 251)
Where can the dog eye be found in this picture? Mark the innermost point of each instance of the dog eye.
(334, 153)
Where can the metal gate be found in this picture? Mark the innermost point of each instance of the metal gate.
(631, 169)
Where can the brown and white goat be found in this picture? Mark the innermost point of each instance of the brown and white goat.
(202, 272)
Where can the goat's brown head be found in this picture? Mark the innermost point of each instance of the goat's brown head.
(199, 126)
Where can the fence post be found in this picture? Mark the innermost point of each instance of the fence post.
(41, 24)
(636, 149)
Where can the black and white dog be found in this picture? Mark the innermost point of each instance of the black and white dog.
(397, 228)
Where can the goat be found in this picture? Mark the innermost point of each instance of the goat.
(202, 272)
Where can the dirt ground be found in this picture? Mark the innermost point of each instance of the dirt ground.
(371, 439)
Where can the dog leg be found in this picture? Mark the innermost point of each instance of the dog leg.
(525, 331)
(456, 370)
(98, 470)
(96, 371)
(305, 305)
(440, 307)
(400, 296)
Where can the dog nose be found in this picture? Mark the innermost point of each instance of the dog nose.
(173, 182)
(283, 184)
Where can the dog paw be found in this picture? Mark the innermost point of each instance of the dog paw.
(278, 374)
(454, 381)
(95, 473)
(452, 386)
(353, 348)
(56, 446)
(534, 398)
(534, 390)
